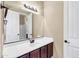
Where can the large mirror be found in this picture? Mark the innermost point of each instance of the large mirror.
(17, 26)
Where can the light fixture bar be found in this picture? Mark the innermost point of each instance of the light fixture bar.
(30, 8)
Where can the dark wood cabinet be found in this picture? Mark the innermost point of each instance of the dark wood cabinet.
(50, 50)
(44, 52)
(27, 55)
(35, 54)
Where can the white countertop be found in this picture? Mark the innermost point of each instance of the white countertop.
(17, 49)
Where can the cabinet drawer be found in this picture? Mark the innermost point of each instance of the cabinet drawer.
(35, 54)
(50, 50)
(44, 52)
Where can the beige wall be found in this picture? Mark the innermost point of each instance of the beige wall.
(53, 12)
(38, 20)
(22, 19)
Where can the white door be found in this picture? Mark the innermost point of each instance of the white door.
(71, 29)
(12, 26)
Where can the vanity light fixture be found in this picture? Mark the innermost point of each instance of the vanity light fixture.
(30, 8)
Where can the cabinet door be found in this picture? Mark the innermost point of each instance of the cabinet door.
(24, 56)
(44, 52)
(50, 50)
(35, 54)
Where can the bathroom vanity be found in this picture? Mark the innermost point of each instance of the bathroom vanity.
(41, 48)
(42, 52)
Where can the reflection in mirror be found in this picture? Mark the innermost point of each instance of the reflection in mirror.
(17, 26)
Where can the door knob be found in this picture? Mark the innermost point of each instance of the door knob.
(66, 41)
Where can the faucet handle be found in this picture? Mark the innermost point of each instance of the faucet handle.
(31, 41)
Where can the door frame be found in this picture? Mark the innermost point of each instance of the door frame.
(66, 23)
